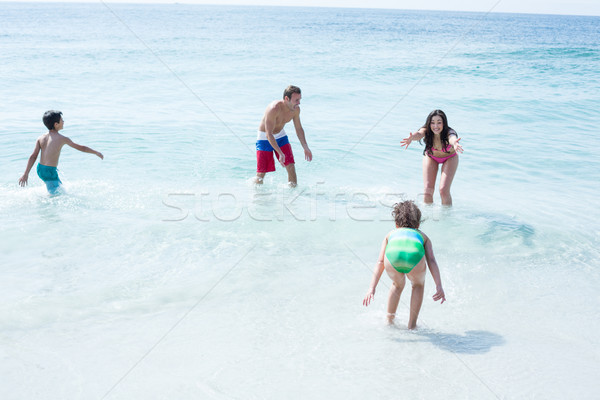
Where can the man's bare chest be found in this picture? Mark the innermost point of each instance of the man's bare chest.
(284, 118)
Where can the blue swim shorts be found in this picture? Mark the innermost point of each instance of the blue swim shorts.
(50, 176)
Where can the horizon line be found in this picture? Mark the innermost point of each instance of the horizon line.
(192, 3)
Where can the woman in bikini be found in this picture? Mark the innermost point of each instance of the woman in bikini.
(441, 147)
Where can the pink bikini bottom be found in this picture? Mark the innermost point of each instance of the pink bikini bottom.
(441, 160)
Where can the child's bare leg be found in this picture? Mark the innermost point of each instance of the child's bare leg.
(417, 280)
(398, 282)
(416, 300)
(258, 179)
(393, 300)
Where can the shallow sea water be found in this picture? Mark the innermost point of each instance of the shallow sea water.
(164, 273)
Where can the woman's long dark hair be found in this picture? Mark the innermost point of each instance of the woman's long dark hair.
(429, 133)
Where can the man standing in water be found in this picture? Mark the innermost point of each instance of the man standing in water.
(272, 137)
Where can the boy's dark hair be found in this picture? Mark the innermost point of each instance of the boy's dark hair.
(289, 90)
(407, 215)
(50, 118)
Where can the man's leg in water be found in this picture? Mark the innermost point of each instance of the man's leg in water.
(292, 179)
(259, 178)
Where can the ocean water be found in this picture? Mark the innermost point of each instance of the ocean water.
(163, 273)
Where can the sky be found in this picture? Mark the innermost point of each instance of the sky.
(572, 7)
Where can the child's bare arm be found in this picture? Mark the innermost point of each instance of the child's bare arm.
(84, 149)
(435, 271)
(30, 162)
(379, 267)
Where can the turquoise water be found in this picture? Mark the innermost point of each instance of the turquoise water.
(164, 273)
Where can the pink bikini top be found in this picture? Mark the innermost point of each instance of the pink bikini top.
(447, 150)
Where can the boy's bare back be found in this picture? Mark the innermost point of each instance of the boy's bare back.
(51, 144)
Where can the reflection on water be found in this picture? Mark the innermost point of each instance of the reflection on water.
(501, 227)
(471, 342)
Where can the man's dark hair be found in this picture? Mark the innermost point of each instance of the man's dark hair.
(51, 117)
(289, 90)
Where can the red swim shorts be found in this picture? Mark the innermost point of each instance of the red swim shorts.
(265, 161)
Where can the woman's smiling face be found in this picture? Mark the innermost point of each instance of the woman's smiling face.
(437, 124)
